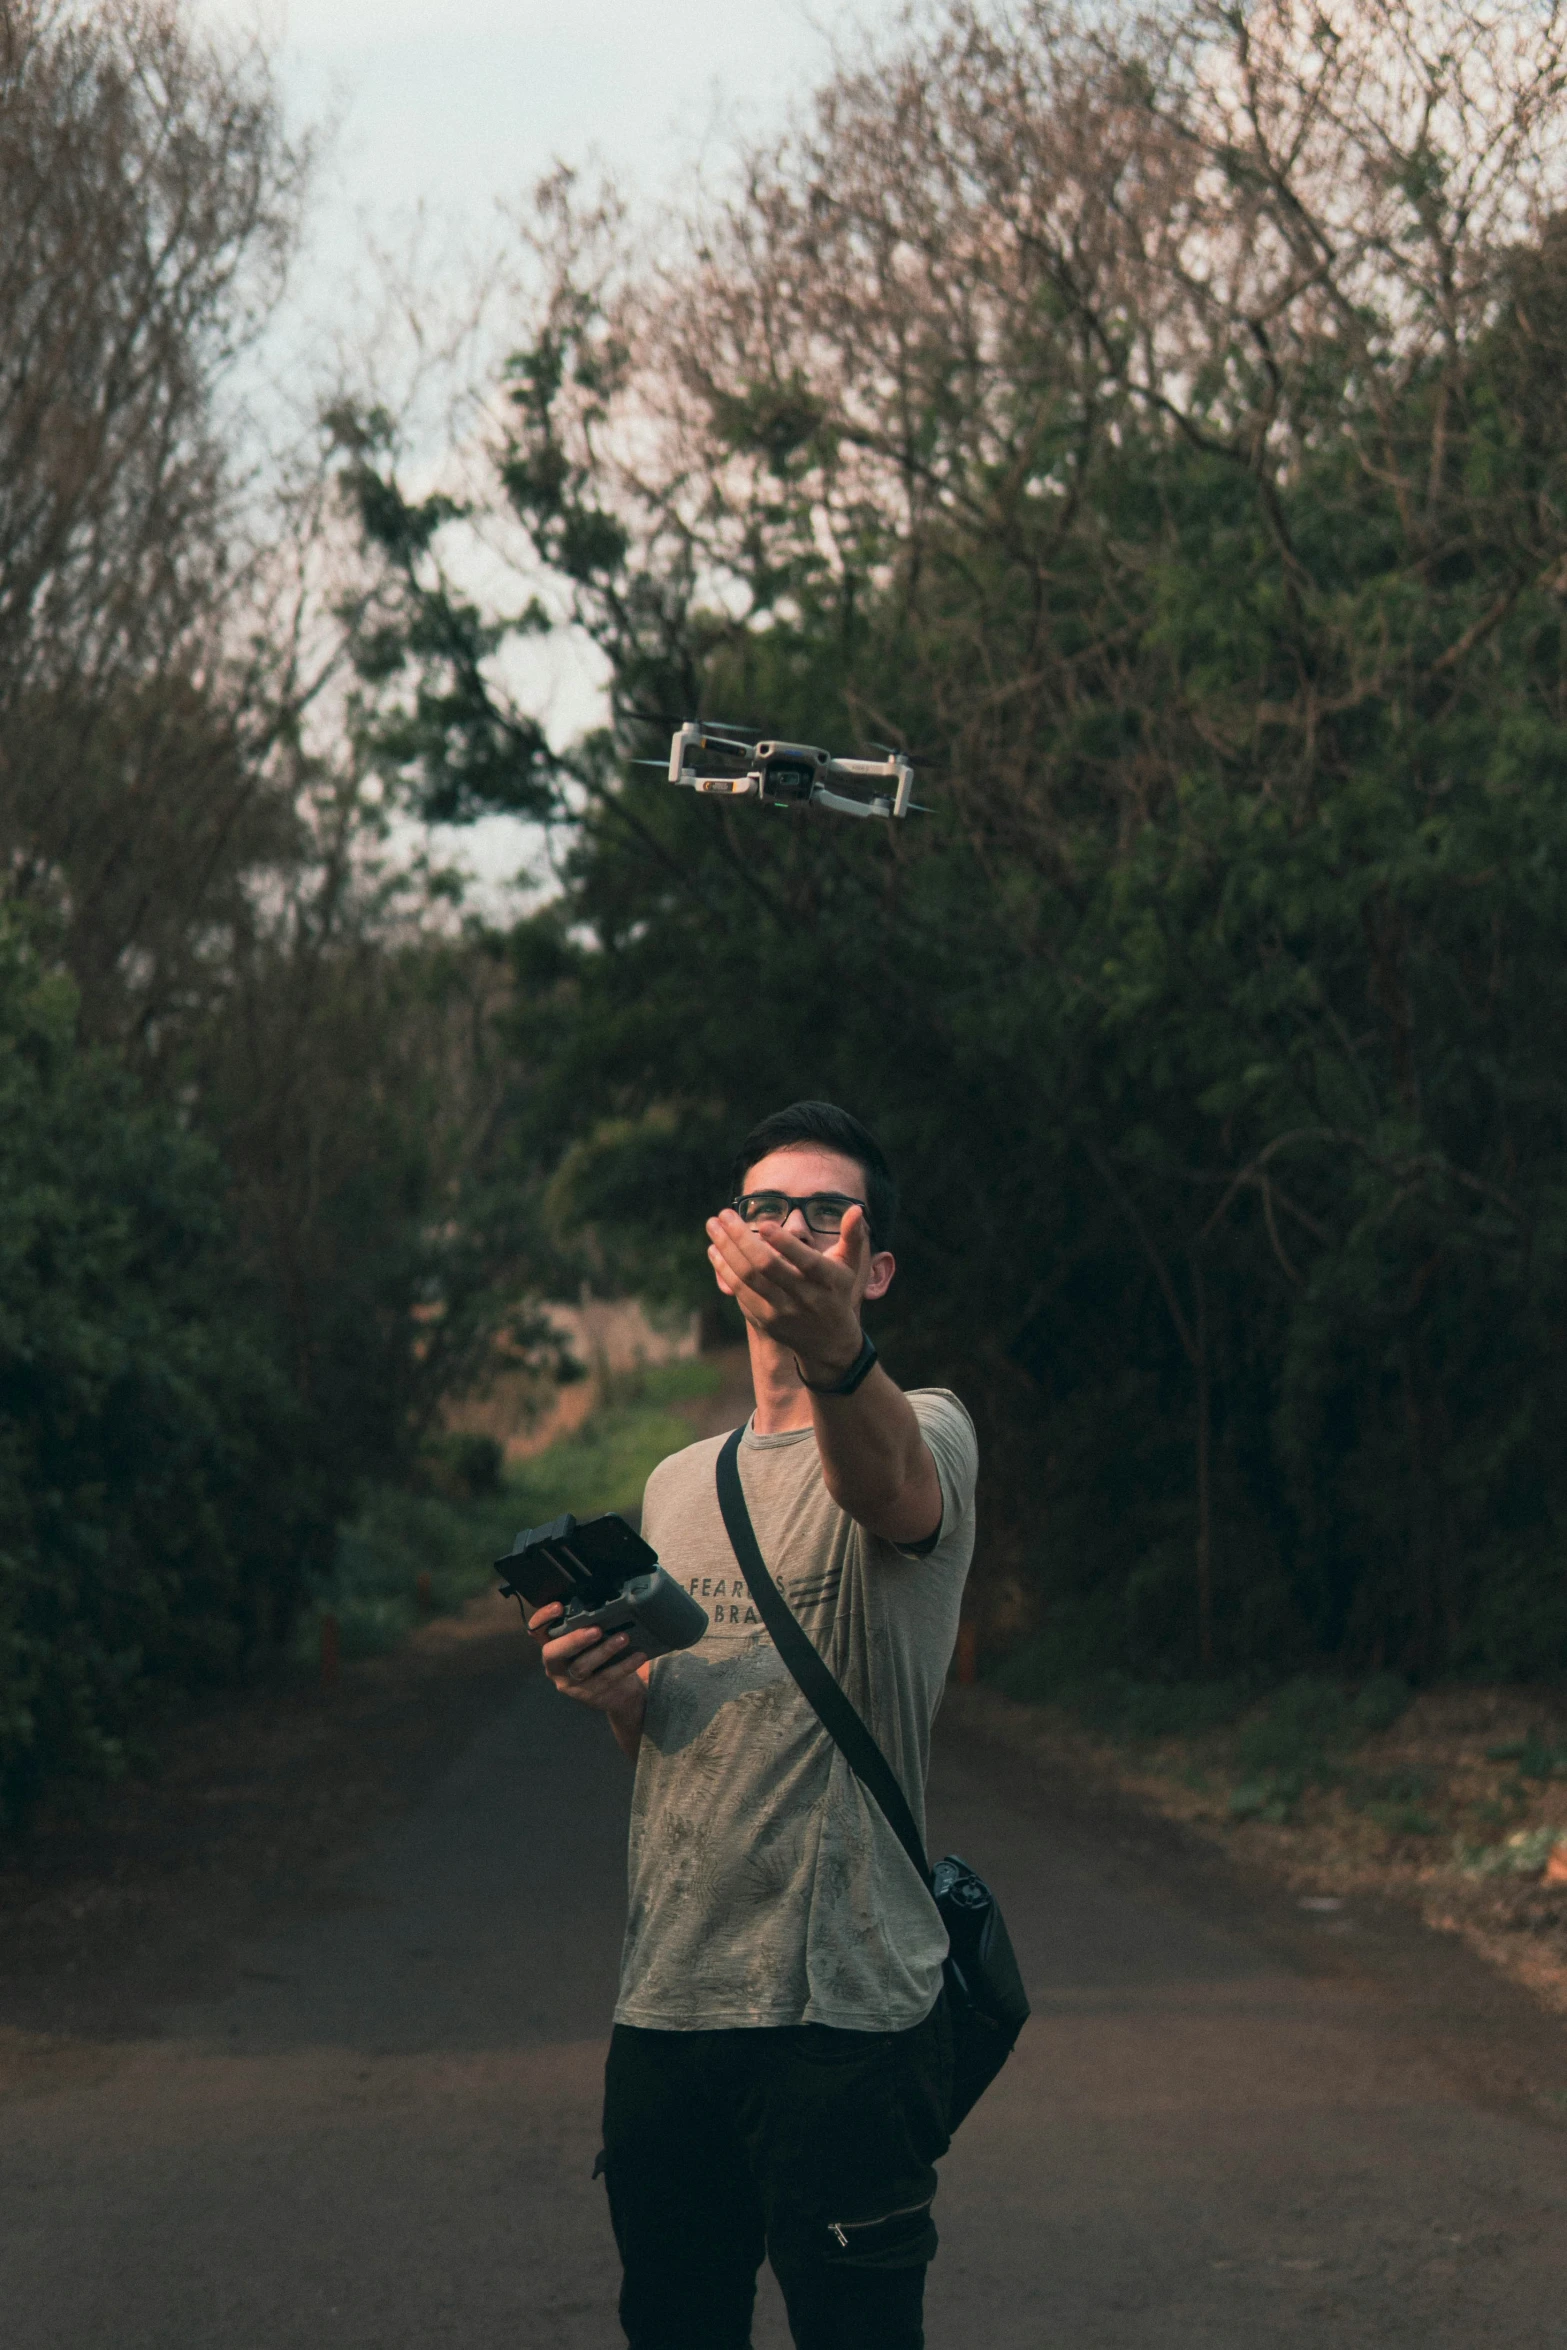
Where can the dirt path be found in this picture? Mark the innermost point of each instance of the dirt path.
(364, 2115)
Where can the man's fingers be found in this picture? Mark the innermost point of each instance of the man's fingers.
(734, 1272)
(748, 1247)
(763, 1293)
(812, 1262)
(561, 1654)
(607, 1675)
(759, 1269)
(740, 1262)
(763, 1252)
(606, 1683)
(853, 1240)
(785, 1288)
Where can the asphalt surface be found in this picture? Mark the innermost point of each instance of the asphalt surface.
(1229, 2123)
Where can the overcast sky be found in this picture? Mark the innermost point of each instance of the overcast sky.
(458, 105)
(463, 101)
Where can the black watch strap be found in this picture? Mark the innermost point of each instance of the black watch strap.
(855, 1376)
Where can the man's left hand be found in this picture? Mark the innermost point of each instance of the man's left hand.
(804, 1298)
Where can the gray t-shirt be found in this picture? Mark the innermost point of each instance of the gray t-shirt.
(765, 1886)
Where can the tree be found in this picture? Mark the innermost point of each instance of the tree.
(1155, 418)
(181, 789)
(157, 1514)
(149, 200)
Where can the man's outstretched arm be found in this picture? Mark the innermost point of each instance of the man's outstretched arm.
(875, 1460)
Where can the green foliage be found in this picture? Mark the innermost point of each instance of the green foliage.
(404, 1556)
(400, 1558)
(1113, 1704)
(156, 1512)
(251, 1235)
(1213, 1020)
(1396, 1800)
(351, 1089)
(1535, 1756)
(1302, 1736)
(1525, 1853)
(607, 1463)
(1305, 1722)
(1380, 1702)
(461, 1467)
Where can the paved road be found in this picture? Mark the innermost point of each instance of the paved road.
(380, 2134)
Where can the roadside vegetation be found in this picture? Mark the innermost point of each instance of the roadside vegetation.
(248, 1238)
(1452, 1799)
(1152, 417)
(406, 1556)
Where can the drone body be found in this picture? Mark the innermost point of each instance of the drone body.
(788, 774)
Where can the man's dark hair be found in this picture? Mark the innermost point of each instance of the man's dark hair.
(835, 1130)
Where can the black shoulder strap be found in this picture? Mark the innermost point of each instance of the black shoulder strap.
(835, 1712)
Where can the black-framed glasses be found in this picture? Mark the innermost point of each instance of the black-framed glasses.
(823, 1211)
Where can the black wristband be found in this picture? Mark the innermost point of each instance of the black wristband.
(855, 1376)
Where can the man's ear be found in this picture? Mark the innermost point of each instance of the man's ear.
(883, 1266)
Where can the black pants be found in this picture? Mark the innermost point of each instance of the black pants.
(811, 2144)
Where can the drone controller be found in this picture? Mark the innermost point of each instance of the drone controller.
(609, 1580)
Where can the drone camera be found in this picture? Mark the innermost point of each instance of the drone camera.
(789, 772)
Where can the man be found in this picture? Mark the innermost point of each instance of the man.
(779, 2070)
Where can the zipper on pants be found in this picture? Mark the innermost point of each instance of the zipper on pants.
(843, 2229)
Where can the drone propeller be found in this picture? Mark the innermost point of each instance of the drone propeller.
(745, 734)
(653, 717)
(901, 751)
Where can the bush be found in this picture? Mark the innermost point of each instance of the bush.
(1304, 1722)
(155, 1520)
(462, 1468)
(406, 1555)
(1295, 1737)
(1115, 1704)
(1380, 1701)
(607, 1463)
(402, 1557)
(1213, 1017)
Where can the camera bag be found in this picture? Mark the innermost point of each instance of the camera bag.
(984, 1990)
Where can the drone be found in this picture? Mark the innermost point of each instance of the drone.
(783, 775)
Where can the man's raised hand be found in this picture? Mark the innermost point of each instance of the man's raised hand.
(803, 1298)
